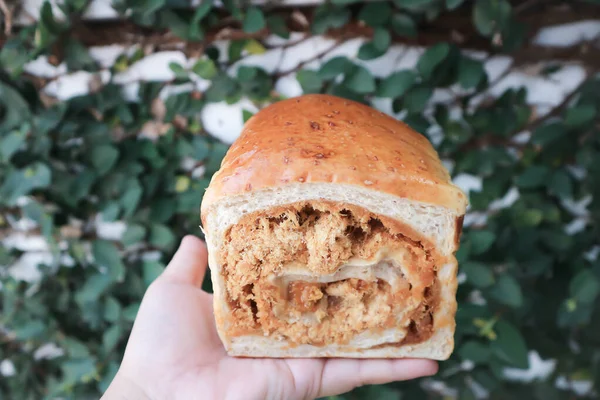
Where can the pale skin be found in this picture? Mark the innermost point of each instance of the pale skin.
(174, 351)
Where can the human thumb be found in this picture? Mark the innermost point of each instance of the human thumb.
(188, 265)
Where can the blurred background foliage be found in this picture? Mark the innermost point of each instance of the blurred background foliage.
(97, 186)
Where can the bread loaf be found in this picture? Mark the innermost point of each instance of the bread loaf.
(331, 229)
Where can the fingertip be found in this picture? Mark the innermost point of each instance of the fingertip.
(189, 263)
(192, 242)
(419, 367)
(341, 375)
(193, 247)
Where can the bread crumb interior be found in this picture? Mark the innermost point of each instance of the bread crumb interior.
(324, 273)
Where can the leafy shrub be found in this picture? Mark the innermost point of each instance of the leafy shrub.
(530, 276)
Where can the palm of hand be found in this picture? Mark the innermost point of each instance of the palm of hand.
(174, 351)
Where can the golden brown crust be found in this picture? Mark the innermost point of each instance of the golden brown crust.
(326, 139)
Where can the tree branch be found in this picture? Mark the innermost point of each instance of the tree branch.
(455, 27)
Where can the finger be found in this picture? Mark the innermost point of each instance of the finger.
(189, 263)
(342, 375)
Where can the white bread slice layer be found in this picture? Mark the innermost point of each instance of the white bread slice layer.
(436, 223)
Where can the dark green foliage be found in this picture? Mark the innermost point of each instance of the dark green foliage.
(254, 20)
(529, 283)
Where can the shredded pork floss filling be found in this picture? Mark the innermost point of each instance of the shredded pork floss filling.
(319, 273)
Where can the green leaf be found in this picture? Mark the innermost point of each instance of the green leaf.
(104, 158)
(360, 80)
(509, 345)
(507, 291)
(487, 379)
(404, 25)
(254, 20)
(368, 51)
(202, 10)
(413, 4)
(130, 312)
(149, 6)
(205, 68)
(234, 51)
(12, 58)
(481, 240)
(533, 177)
(161, 236)
(47, 20)
(94, 286)
(257, 88)
(310, 81)
(35, 211)
(79, 370)
(574, 314)
(417, 98)
(222, 87)
(580, 115)
(375, 392)
(107, 258)
(246, 115)
(74, 348)
(377, 47)
(470, 72)
(182, 183)
(233, 7)
(218, 151)
(396, 84)
(78, 57)
(246, 74)
(483, 17)
(432, 57)
(131, 197)
(111, 337)
(201, 148)
(278, 26)
(530, 217)
(112, 309)
(11, 143)
(452, 4)
(162, 209)
(21, 182)
(109, 375)
(560, 184)
(375, 14)
(134, 234)
(381, 39)
(30, 330)
(457, 132)
(548, 133)
(327, 17)
(474, 351)
(151, 270)
(15, 109)
(335, 67)
(178, 70)
(37, 175)
(478, 274)
(178, 26)
(417, 122)
(490, 16)
(110, 212)
(584, 287)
